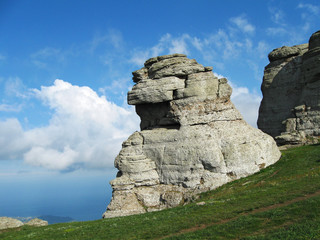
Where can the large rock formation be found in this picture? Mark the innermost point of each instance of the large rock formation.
(290, 108)
(192, 138)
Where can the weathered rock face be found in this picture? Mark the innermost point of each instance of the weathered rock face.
(290, 108)
(192, 138)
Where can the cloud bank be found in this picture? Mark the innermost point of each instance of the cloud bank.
(85, 130)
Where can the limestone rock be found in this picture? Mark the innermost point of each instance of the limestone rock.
(290, 108)
(192, 138)
(6, 222)
(36, 222)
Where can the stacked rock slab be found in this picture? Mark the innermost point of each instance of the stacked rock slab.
(192, 138)
(290, 108)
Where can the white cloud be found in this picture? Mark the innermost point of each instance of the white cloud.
(218, 45)
(263, 49)
(197, 43)
(15, 87)
(166, 45)
(46, 52)
(247, 103)
(10, 108)
(179, 45)
(277, 16)
(256, 70)
(218, 75)
(43, 57)
(243, 24)
(293, 34)
(113, 37)
(276, 31)
(51, 158)
(311, 8)
(12, 140)
(85, 131)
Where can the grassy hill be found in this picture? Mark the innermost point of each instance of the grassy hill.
(280, 202)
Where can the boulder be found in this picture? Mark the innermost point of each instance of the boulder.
(290, 108)
(36, 222)
(6, 222)
(192, 138)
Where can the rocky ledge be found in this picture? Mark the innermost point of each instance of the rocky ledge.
(290, 108)
(192, 138)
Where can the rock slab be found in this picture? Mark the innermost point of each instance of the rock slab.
(290, 108)
(192, 138)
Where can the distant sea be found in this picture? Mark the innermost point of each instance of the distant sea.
(81, 196)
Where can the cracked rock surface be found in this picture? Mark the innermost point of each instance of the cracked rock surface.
(290, 108)
(192, 138)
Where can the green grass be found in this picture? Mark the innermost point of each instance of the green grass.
(276, 203)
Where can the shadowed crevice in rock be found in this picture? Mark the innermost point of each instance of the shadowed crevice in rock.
(156, 115)
(192, 138)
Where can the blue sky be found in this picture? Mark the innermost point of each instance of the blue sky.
(65, 69)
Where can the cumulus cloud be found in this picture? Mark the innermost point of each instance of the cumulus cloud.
(85, 131)
(12, 140)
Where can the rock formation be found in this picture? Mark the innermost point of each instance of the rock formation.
(6, 222)
(290, 108)
(36, 222)
(192, 138)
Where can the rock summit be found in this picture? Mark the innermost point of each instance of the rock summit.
(192, 138)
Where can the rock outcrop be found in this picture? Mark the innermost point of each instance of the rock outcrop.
(36, 222)
(6, 222)
(192, 138)
(290, 108)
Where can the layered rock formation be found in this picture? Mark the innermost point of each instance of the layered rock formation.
(192, 138)
(290, 108)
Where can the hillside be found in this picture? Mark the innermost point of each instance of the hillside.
(280, 202)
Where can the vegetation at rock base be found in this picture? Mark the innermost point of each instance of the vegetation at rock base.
(280, 202)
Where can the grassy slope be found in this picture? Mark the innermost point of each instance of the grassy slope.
(280, 202)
